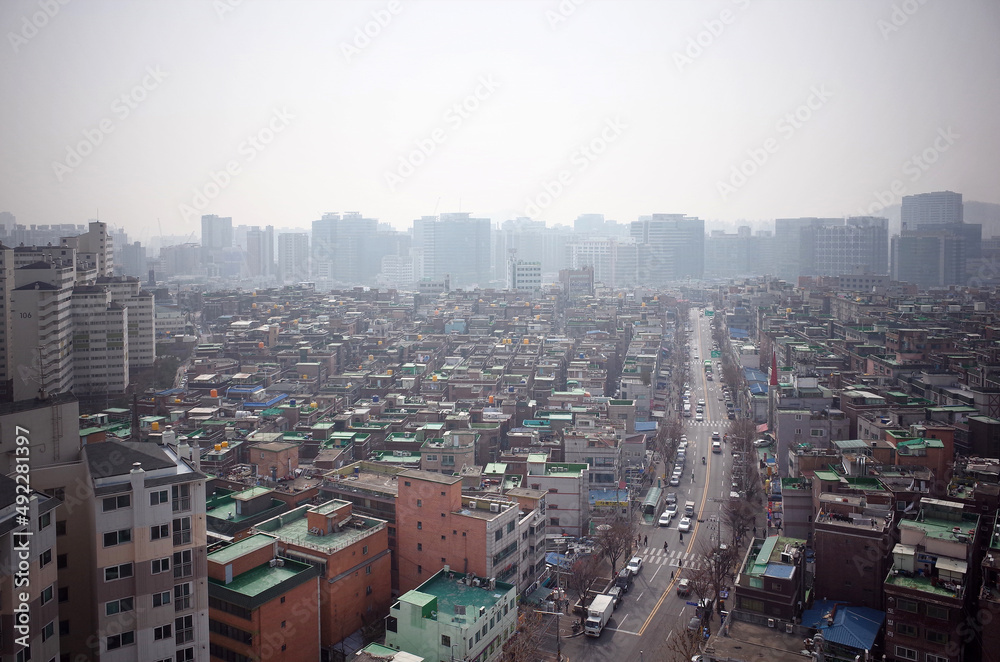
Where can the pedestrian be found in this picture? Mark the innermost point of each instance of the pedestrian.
(755, 531)
(664, 545)
(671, 574)
(645, 541)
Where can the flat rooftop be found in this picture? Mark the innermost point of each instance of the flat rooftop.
(262, 578)
(293, 527)
(453, 592)
(250, 544)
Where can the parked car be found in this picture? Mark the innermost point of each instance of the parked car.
(760, 443)
(616, 594)
(671, 498)
(635, 564)
(674, 481)
(684, 588)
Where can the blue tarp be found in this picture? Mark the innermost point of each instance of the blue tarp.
(555, 558)
(853, 627)
(754, 375)
(266, 405)
(645, 426)
(738, 333)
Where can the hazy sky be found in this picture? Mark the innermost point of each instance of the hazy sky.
(549, 109)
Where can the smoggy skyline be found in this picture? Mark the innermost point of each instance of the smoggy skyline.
(274, 113)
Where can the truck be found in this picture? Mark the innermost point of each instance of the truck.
(689, 508)
(598, 615)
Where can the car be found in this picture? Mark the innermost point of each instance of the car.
(674, 481)
(671, 509)
(760, 443)
(699, 417)
(684, 588)
(635, 565)
(671, 498)
(684, 525)
(616, 595)
(715, 435)
(666, 517)
(701, 403)
(708, 377)
(731, 415)
(716, 447)
(624, 580)
(694, 624)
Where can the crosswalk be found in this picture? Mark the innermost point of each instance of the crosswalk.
(717, 424)
(672, 558)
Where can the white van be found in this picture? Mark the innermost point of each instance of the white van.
(687, 410)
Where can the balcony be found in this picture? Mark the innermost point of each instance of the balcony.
(916, 581)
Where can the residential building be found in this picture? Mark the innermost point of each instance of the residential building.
(128, 293)
(293, 257)
(142, 525)
(96, 246)
(454, 245)
(42, 329)
(436, 525)
(100, 347)
(453, 616)
(771, 581)
(524, 276)
(345, 249)
(28, 554)
(262, 605)
(216, 233)
(925, 591)
(6, 323)
(567, 501)
(351, 553)
(260, 252)
(931, 209)
(672, 247)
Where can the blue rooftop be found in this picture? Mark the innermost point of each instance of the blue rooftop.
(853, 627)
(779, 570)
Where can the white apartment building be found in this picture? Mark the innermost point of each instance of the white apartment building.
(128, 292)
(100, 344)
(42, 329)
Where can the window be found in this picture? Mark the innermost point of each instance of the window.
(364, 550)
(118, 606)
(119, 640)
(61, 527)
(368, 590)
(554, 521)
(182, 531)
(114, 572)
(282, 625)
(498, 535)
(420, 525)
(44, 520)
(161, 599)
(48, 630)
(906, 629)
(420, 570)
(63, 594)
(185, 655)
(156, 498)
(182, 596)
(510, 527)
(931, 657)
(47, 593)
(159, 531)
(185, 629)
(420, 547)
(816, 433)
(936, 637)
(226, 607)
(161, 632)
(116, 502)
(160, 565)
(368, 571)
(420, 503)
(112, 538)
(181, 497)
(182, 563)
(24, 655)
(933, 611)
(45, 558)
(903, 604)
(906, 653)
(446, 641)
(230, 631)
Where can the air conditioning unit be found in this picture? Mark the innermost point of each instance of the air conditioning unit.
(494, 507)
(770, 622)
(788, 628)
(281, 563)
(273, 562)
(472, 504)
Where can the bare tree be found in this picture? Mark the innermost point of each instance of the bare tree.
(583, 573)
(682, 644)
(523, 645)
(738, 517)
(616, 540)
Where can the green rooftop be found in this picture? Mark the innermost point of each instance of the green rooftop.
(262, 578)
(250, 544)
(447, 593)
(293, 527)
(919, 584)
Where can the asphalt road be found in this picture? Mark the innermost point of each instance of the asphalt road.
(652, 611)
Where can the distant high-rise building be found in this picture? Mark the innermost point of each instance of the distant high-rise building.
(134, 260)
(525, 276)
(931, 209)
(454, 244)
(795, 257)
(672, 247)
(96, 246)
(853, 245)
(100, 346)
(345, 249)
(260, 251)
(216, 232)
(293, 257)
